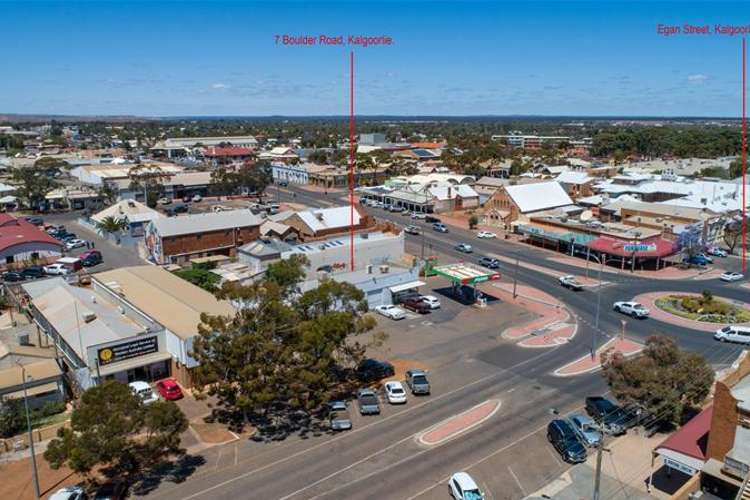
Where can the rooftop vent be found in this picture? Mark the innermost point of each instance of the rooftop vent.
(88, 317)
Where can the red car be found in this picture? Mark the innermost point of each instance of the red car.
(169, 389)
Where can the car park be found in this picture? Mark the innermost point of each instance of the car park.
(564, 439)
(144, 391)
(486, 235)
(733, 333)
(439, 227)
(56, 270)
(461, 486)
(431, 301)
(391, 311)
(395, 393)
(368, 402)
(717, 252)
(586, 429)
(74, 243)
(464, 248)
(417, 381)
(571, 283)
(412, 230)
(489, 262)
(633, 309)
(34, 220)
(611, 417)
(371, 370)
(13, 277)
(416, 304)
(339, 417)
(169, 389)
(730, 276)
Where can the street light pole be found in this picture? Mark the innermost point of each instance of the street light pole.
(31, 436)
(515, 278)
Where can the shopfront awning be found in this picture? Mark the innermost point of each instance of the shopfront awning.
(656, 247)
(129, 364)
(406, 286)
(685, 450)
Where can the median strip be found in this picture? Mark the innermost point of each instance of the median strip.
(459, 424)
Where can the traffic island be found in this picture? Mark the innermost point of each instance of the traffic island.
(555, 335)
(459, 424)
(695, 311)
(587, 364)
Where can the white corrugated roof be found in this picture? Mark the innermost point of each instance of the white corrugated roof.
(201, 223)
(462, 190)
(538, 196)
(570, 177)
(133, 210)
(328, 218)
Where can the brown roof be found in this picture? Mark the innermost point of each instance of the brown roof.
(38, 370)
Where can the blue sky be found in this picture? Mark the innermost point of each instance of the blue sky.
(448, 58)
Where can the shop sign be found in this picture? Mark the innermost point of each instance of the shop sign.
(641, 247)
(673, 464)
(127, 350)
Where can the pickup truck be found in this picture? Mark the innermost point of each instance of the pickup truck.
(417, 381)
(633, 309)
(368, 402)
(571, 282)
(416, 304)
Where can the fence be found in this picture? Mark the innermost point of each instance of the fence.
(22, 440)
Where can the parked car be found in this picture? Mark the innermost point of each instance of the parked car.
(731, 276)
(69, 493)
(368, 402)
(144, 391)
(169, 389)
(417, 381)
(633, 309)
(196, 198)
(439, 227)
(489, 262)
(13, 277)
(431, 301)
(56, 270)
(462, 487)
(696, 260)
(395, 393)
(611, 417)
(732, 333)
(571, 282)
(416, 304)
(586, 429)
(464, 248)
(66, 236)
(418, 215)
(431, 219)
(34, 220)
(395, 208)
(91, 258)
(371, 370)
(339, 417)
(59, 228)
(412, 230)
(74, 243)
(710, 260)
(391, 311)
(717, 252)
(562, 436)
(32, 272)
(486, 235)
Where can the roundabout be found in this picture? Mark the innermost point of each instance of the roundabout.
(696, 311)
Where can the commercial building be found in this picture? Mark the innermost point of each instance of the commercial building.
(175, 240)
(22, 242)
(181, 146)
(576, 184)
(99, 174)
(330, 176)
(312, 225)
(290, 173)
(228, 155)
(133, 212)
(511, 203)
(280, 154)
(44, 382)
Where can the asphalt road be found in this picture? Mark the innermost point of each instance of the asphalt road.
(508, 455)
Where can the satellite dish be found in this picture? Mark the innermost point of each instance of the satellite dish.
(587, 215)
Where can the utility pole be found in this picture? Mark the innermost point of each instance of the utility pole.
(31, 435)
(515, 278)
(598, 474)
(422, 231)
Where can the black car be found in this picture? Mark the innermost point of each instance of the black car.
(33, 272)
(612, 418)
(13, 277)
(37, 221)
(431, 219)
(372, 369)
(562, 436)
(489, 262)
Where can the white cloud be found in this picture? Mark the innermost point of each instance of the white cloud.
(697, 78)
(219, 86)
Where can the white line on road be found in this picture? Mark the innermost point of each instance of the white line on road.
(359, 430)
(518, 482)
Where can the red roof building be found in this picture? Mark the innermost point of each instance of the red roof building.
(655, 247)
(22, 241)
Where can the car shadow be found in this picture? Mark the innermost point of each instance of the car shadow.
(464, 295)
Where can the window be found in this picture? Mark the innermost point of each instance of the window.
(9, 259)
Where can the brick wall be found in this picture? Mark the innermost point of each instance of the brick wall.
(723, 422)
(204, 242)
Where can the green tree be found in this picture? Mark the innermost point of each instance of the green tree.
(112, 225)
(33, 185)
(735, 169)
(12, 417)
(148, 179)
(200, 277)
(51, 166)
(111, 428)
(278, 357)
(663, 380)
(732, 235)
(473, 221)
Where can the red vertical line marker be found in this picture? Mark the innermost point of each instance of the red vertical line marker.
(744, 155)
(351, 159)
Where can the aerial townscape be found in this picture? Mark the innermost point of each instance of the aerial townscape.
(286, 250)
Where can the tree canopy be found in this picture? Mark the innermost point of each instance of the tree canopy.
(113, 431)
(278, 359)
(663, 380)
(33, 185)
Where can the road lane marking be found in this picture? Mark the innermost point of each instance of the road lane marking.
(518, 482)
(361, 429)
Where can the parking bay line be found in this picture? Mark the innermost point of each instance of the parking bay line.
(518, 482)
(361, 429)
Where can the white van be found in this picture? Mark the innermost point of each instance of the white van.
(145, 392)
(738, 334)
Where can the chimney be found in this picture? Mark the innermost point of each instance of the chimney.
(449, 192)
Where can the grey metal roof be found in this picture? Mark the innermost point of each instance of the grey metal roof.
(201, 223)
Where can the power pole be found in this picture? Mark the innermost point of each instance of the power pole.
(515, 278)
(598, 474)
(31, 435)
